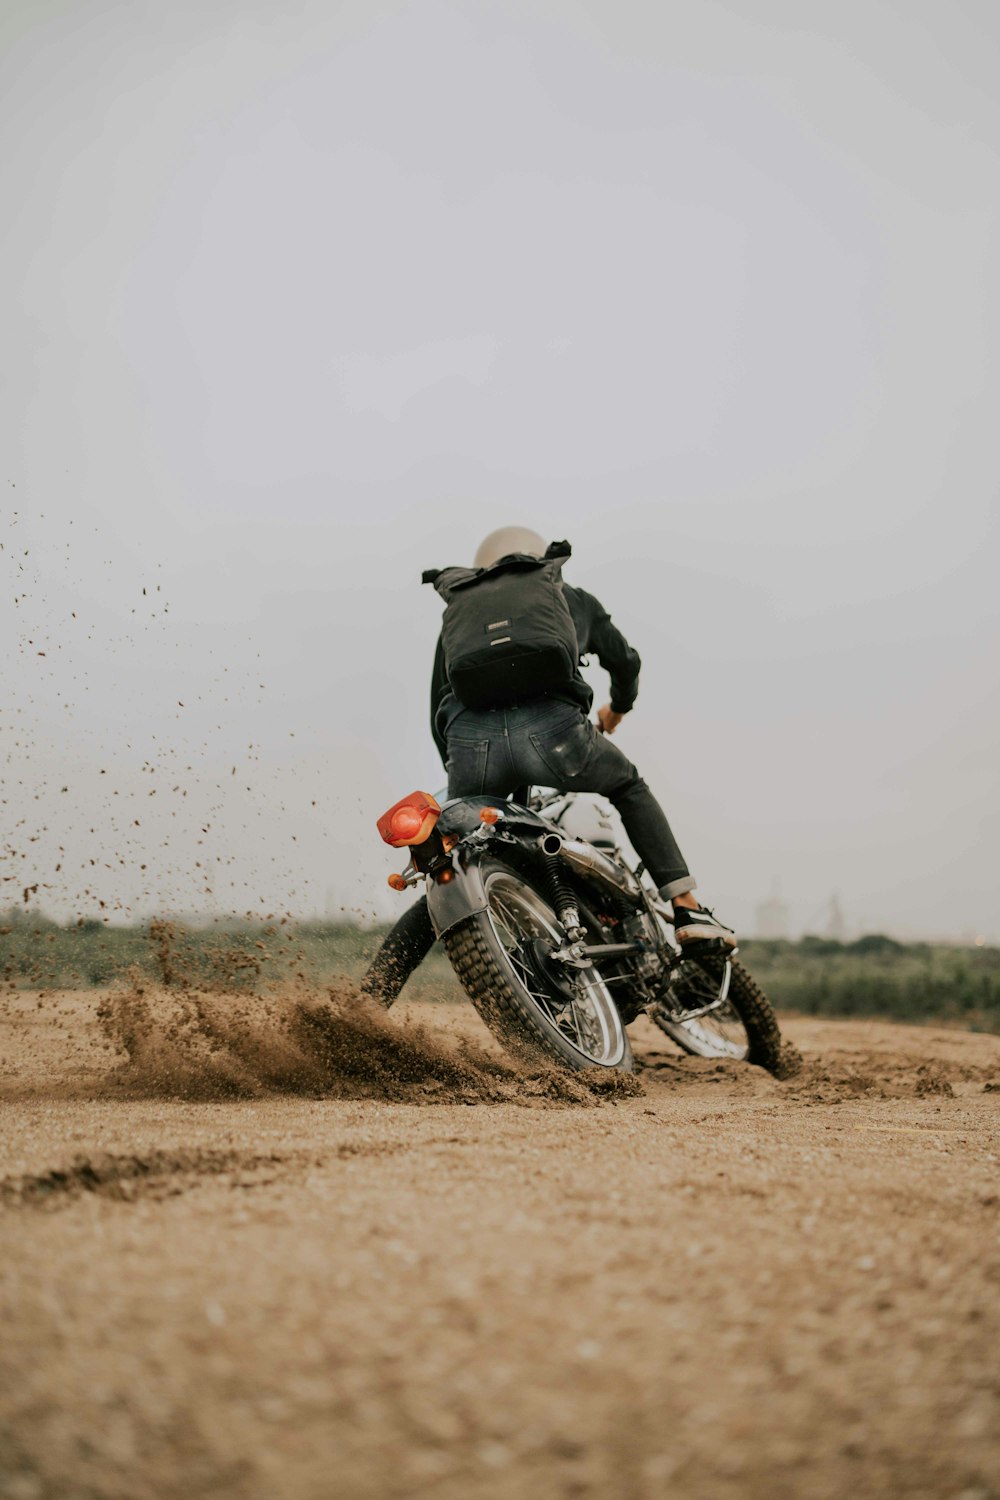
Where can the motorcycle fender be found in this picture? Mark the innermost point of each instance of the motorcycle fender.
(462, 897)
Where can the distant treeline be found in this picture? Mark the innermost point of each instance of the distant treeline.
(874, 976)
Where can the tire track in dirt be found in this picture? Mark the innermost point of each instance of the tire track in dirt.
(127, 1177)
(164, 1174)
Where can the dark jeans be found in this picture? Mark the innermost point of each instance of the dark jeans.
(545, 743)
(549, 743)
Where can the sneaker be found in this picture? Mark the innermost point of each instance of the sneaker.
(692, 923)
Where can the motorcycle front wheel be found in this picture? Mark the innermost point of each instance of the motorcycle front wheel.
(500, 958)
(708, 1015)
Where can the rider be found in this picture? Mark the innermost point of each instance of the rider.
(548, 740)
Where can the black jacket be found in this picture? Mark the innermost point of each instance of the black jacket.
(595, 635)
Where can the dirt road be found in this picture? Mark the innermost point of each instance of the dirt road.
(345, 1266)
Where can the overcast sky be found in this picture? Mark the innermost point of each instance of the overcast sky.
(299, 300)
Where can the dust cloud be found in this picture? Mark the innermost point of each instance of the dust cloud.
(230, 1038)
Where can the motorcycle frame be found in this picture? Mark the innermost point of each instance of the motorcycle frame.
(452, 859)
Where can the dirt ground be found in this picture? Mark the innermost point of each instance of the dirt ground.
(251, 1249)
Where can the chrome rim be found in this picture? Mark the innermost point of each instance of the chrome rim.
(589, 1023)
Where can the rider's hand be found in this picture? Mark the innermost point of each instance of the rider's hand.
(607, 720)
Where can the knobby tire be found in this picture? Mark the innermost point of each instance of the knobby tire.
(509, 1014)
(755, 1012)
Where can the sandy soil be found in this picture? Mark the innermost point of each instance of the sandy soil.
(250, 1250)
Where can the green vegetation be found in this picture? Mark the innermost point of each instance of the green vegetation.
(874, 976)
(36, 953)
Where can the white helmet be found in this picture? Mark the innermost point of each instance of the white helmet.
(507, 540)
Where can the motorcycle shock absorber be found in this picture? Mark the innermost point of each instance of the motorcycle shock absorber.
(562, 898)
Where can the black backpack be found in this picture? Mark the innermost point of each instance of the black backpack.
(507, 633)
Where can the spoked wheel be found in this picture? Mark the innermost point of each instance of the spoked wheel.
(502, 957)
(715, 1009)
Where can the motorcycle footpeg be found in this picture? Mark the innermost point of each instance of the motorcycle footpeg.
(713, 948)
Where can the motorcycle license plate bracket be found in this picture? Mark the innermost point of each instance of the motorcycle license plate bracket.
(451, 902)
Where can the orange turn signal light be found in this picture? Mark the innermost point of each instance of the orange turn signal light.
(397, 882)
(410, 821)
(490, 815)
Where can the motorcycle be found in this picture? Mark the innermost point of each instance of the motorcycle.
(560, 945)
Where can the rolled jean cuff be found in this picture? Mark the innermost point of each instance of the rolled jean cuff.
(678, 887)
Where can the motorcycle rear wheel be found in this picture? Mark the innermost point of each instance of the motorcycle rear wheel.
(490, 953)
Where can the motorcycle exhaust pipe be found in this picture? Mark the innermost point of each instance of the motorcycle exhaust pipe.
(590, 861)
